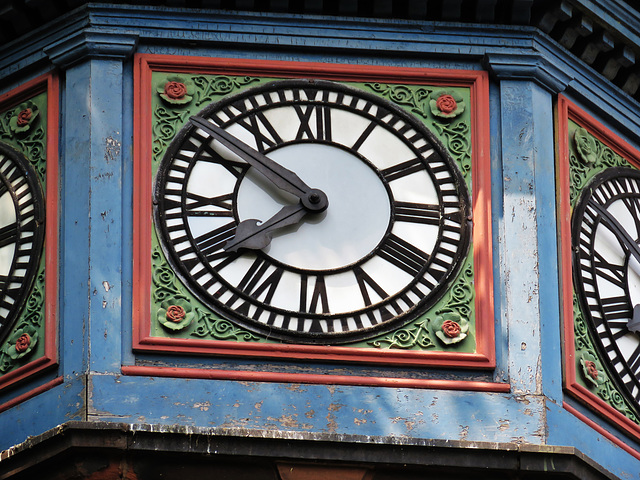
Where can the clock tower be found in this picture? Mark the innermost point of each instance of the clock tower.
(297, 240)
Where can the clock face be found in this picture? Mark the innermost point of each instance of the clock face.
(21, 233)
(606, 233)
(390, 234)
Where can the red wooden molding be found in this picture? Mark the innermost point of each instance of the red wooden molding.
(304, 378)
(476, 81)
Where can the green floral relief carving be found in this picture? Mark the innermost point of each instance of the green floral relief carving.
(415, 98)
(212, 88)
(26, 341)
(24, 128)
(587, 157)
(170, 113)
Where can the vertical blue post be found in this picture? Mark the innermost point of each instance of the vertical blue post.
(91, 203)
(528, 254)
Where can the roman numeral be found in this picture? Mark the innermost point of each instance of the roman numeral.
(611, 272)
(313, 127)
(8, 234)
(195, 202)
(202, 151)
(211, 242)
(260, 279)
(403, 255)
(363, 137)
(402, 169)
(366, 283)
(417, 213)
(318, 297)
(263, 132)
(234, 167)
(616, 307)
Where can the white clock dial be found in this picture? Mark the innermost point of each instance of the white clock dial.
(390, 239)
(606, 227)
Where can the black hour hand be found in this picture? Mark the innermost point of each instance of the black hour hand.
(634, 323)
(255, 235)
(312, 199)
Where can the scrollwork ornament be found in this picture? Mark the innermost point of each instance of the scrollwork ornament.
(456, 137)
(164, 280)
(590, 157)
(220, 329)
(416, 98)
(416, 336)
(211, 87)
(167, 124)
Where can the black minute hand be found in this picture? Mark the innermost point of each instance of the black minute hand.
(312, 199)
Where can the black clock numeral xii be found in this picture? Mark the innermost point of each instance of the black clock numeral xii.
(315, 122)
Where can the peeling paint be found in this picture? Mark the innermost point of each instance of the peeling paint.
(295, 388)
(204, 406)
(287, 421)
(503, 424)
(112, 149)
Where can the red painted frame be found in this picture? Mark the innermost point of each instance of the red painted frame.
(569, 111)
(47, 83)
(477, 81)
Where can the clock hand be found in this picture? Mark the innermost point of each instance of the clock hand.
(251, 234)
(618, 229)
(633, 325)
(312, 199)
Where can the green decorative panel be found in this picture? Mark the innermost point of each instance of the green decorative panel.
(450, 325)
(24, 129)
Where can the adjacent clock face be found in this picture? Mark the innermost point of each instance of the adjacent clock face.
(606, 233)
(21, 233)
(391, 236)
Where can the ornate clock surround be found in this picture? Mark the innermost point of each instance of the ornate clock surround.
(36, 139)
(589, 375)
(146, 265)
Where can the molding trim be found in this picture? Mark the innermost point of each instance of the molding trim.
(160, 448)
(91, 45)
(527, 67)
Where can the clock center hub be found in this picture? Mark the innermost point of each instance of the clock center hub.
(350, 228)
